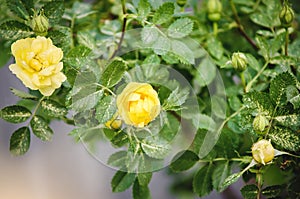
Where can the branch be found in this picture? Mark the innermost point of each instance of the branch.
(123, 30)
(241, 28)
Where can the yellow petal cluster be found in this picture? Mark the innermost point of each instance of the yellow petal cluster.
(263, 151)
(38, 64)
(138, 104)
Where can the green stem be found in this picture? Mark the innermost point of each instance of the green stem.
(243, 80)
(35, 109)
(223, 159)
(72, 32)
(228, 118)
(286, 41)
(105, 88)
(215, 28)
(256, 5)
(249, 85)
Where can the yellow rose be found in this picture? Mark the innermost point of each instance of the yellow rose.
(263, 151)
(138, 104)
(38, 64)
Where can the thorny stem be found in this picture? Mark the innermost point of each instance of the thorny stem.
(240, 27)
(123, 30)
(249, 85)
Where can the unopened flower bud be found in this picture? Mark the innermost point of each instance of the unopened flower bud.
(40, 24)
(114, 123)
(214, 9)
(286, 15)
(263, 151)
(181, 3)
(239, 61)
(260, 123)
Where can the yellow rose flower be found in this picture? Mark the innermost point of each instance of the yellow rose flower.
(138, 104)
(38, 64)
(263, 151)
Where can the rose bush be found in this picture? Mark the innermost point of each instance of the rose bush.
(38, 64)
(138, 104)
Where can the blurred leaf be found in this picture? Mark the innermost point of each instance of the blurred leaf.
(13, 30)
(259, 101)
(162, 45)
(144, 178)
(231, 179)
(176, 99)
(78, 57)
(5, 53)
(53, 108)
(140, 191)
(253, 62)
(22, 94)
(249, 191)
(105, 109)
(15, 114)
(164, 13)
(155, 148)
(54, 10)
(215, 47)
(202, 182)
(206, 72)
(278, 87)
(272, 191)
(113, 73)
(20, 141)
(20, 7)
(285, 138)
(120, 139)
(182, 52)
(118, 159)
(292, 121)
(184, 160)
(144, 8)
(122, 181)
(149, 35)
(40, 128)
(220, 173)
(180, 28)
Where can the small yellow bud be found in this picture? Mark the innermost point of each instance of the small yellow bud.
(40, 24)
(286, 15)
(260, 123)
(263, 151)
(239, 61)
(214, 9)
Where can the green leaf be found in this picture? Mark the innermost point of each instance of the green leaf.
(122, 181)
(249, 191)
(218, 106)
(271, 191)
(220, 173)
(170, 128)
(54, 10)
(120, 139)
(176, 99)
(164, 13)
(20, 141)
(234, 103)
(295, 101)
(263, 46)
(144, 9)
(215, 47)
(231, 179)
(15, 114)
(18, 7)
(206, 72)
(182, 52)
(253, 63)
(259, 101)
(144, 178)
(53, 108)
(149, 35)
(155, 147)
(13, 30)
(118, 159)
(78, 57)
(40, 128)
(113, 73)
(292, 121)
(5, 54)
(184, 160)
(22, 94)
(278, 87)
(285, 138)
(105, 109)
(85, 94)
(162, 45)
(86, 39)
(180, 28)
(140, 191)
(202, 182)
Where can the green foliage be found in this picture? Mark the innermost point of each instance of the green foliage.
(15, 114)
(20, 141)
(207, 107)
